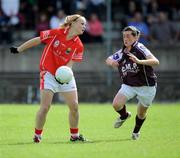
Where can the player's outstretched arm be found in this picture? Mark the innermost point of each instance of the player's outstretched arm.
(28, 44)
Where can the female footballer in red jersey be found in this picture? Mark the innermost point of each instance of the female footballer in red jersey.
(62, 47)
(135, 64)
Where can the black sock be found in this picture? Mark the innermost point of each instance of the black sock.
(138, 124)
(123, 113)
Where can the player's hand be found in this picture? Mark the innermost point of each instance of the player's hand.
(133, 58)
(14, 50)
(114, 63)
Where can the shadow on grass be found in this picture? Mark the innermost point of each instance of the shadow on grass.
(17, 143)
(91, 141)
(68, 142)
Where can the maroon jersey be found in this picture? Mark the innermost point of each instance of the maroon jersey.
(133, 74)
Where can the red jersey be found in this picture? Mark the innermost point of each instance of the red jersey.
(59, 51)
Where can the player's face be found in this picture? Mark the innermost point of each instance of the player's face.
(80, 25)
(128, 38)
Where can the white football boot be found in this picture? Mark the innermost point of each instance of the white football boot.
(135, 136)
(119, 121)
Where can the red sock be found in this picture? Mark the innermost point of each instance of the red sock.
(38, 131)
(74, 132)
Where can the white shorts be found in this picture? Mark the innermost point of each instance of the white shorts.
(144, 94)
(47, 81)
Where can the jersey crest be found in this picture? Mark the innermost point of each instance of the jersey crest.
(56, 43)
(68, 50)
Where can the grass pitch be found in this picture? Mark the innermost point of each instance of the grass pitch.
(160, 135)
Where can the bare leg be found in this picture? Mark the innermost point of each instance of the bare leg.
(46, 100)
(119, 101)
(71, 99)
(120, 107)
(141, 111)
(139, 120)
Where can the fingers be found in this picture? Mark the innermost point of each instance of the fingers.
(115, 64)
(133, 58)
(130, 55)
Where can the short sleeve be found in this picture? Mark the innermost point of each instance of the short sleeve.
(145, 51)
(78, 55)
(117, 56)
(46, 36)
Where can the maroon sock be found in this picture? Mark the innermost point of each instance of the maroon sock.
(123, 113)
(138, 124)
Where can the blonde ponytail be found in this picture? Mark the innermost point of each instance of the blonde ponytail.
(69, 19)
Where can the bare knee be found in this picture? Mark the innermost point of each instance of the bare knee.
(73, 107)
(117, 106)
(141, 115)
(142, 111)
(119, 101)
(44, 109)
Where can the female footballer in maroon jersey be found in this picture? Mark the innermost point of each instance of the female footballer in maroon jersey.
(62, 47)
(134, 62)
